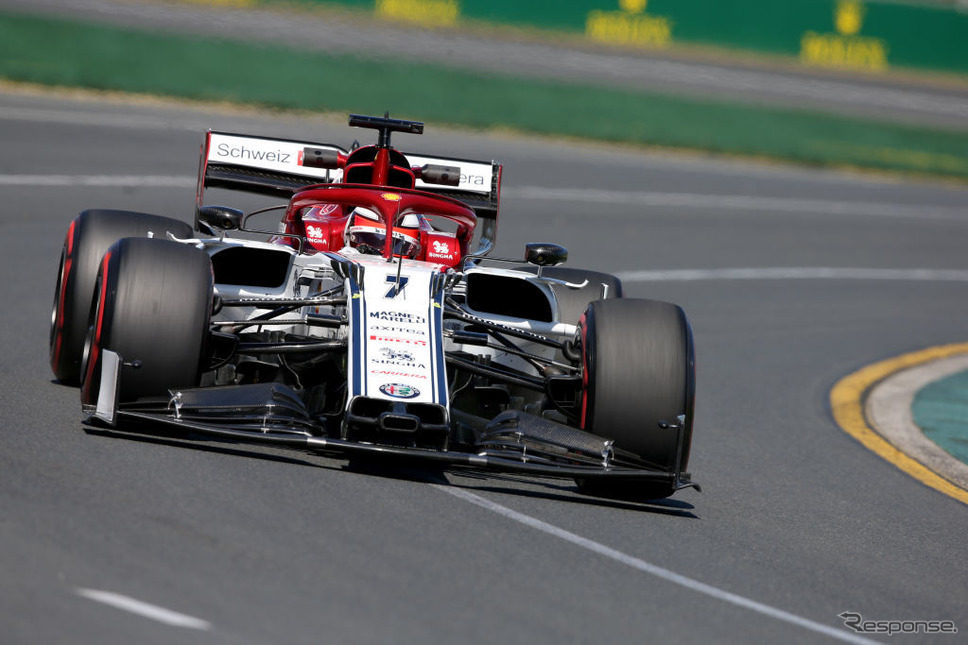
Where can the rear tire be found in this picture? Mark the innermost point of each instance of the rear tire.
(88, 237)
(153, 307)
(639, 371)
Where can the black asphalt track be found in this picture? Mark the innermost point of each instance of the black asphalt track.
(797, 523)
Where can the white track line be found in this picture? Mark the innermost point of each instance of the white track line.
(640, 198)
(144, 609)
(100, 181)
(794, 273)
(737, 202)
(97, 118)
(646, 567)
(673, 275)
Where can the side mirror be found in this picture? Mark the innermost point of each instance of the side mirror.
(218, 218)
(321, 158)
(437, 174)
(543, 254)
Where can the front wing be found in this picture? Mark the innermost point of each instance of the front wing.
(271, 414)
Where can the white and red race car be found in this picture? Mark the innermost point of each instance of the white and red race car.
(371, 323)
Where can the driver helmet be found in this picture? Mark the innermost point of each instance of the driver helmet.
(367, 234)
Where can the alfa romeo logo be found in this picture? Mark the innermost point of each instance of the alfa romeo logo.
(399, 390)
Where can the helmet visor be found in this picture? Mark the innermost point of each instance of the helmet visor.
(372, 239)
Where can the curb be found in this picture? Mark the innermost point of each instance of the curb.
(873, 405)
(889, 409)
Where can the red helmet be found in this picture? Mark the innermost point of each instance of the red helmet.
(367, 234)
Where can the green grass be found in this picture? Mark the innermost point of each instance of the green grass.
(77, 54)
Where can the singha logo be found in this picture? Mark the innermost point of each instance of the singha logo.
(396, 355)
(441, 247)
(314, 232)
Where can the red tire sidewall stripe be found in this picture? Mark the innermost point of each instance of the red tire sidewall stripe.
(96, 341)
(583, 326)
(62, 296)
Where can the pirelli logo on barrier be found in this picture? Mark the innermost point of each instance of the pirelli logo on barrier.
(846, 48)
(429, 13)
(629, 26)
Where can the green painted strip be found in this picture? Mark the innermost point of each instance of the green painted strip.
(67, 53)
(940, 409)
(856, 34)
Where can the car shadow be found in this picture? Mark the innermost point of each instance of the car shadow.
(569, 493)
(203, 443)
(395, 469)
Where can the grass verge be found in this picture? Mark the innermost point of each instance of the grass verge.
(79, 54)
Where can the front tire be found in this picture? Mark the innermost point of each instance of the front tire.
(88, 237)
(153, 307)
(639, 374)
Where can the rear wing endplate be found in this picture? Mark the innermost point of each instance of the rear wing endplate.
(479, 188)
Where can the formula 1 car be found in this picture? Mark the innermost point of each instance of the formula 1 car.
(372, 323)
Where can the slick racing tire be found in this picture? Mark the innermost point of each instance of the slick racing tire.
(573, 301)
(88, 237)
(638, 375)
(153, 305)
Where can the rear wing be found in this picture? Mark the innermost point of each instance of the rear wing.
(272, 166)
(259, 165)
